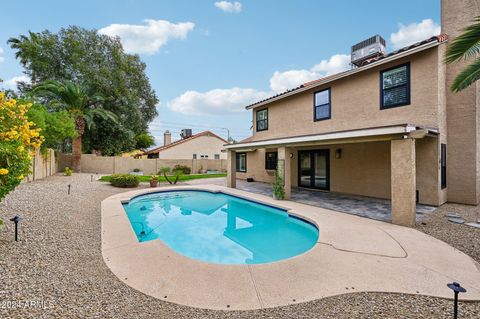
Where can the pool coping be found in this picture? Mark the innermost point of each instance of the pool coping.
(353, 254)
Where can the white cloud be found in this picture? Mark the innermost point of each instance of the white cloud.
(282, 81)
(12, 83)
(217, 101)
(414, 32)
(148, 38)
(227, 6)
(1, 55)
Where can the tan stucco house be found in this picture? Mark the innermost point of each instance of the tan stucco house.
(388, 128)
(204, 145)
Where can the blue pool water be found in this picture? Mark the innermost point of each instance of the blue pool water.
(219, 228)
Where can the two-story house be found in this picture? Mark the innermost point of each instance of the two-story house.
(389, 128)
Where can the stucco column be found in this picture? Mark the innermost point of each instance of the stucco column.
(284, 167)
(403, 181)
(231, 169)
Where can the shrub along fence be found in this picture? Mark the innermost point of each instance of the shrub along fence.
(90, 163)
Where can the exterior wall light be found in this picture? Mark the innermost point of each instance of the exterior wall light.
(338, 153)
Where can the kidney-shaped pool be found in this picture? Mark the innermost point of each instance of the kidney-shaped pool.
(219, 228)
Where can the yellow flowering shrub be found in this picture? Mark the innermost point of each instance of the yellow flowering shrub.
(18, 140)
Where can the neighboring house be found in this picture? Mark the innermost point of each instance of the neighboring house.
(204, 145)
(389, 128)
(134, 153)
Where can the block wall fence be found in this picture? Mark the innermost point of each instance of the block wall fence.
(90, 163)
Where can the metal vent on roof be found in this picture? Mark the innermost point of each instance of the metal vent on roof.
(366, 49)
(186, 133)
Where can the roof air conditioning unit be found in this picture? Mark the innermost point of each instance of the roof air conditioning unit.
(186, 133)
(369, 48)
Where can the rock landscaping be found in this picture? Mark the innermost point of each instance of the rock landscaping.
(56, 270)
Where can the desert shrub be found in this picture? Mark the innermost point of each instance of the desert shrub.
(167, 171)
(124, 180)
(182, 168)
(277, 186)
(68, 171)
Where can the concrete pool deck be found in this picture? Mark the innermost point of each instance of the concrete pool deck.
(353, 254)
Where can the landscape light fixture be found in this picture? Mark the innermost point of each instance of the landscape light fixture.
(455, 286)
(69, 188)
(16, 220)
(91, 178)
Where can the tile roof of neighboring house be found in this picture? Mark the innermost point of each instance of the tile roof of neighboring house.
(439, 39)
(164, 147)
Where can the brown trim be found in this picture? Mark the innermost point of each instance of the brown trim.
(326, 133)
(437, 40)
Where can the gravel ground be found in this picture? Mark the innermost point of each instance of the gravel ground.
(56, 270)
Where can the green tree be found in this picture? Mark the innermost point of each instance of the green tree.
(466, 46)
(144, 141)
(56, 127)
(96, 62)
(81, 105)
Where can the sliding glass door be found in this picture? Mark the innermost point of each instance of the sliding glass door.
(313, 169)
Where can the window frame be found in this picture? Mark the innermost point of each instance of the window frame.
(256, 120)
(237, 168)
(329, 105)
(194, 156)
(216, 156)
(267, 161)
(407, 85)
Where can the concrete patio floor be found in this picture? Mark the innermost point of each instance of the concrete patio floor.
(352, 254)
(374, 208)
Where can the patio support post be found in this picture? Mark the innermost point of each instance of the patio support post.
(285, 165)
(231, 169)
(403, 181)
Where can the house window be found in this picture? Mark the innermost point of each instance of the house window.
(321, 105)
(271, 160)
(217, 156)
(241, 162)
(443, 165)
(395, 87)
(262, 120)
(194, 156)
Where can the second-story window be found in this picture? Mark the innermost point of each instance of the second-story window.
(395, 87)
(262, 120)
(321, 105)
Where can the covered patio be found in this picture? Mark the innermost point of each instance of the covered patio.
(382, 173)
(374, 208)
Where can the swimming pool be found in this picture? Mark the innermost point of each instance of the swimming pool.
(219, 228)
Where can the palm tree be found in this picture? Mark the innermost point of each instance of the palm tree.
(82, 105)
(466, 46)
(27, 47)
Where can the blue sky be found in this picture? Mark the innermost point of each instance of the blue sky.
(207, 59)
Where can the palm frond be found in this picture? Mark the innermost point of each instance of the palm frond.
(465, 45)
(104, 114)
(467, 77)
